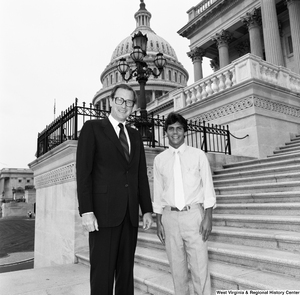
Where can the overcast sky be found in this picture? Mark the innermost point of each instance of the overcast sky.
(56, 50)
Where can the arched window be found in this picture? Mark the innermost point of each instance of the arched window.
(170, 75)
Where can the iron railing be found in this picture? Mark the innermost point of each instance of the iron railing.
(208, 137)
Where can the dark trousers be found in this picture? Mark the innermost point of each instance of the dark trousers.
(112, 252)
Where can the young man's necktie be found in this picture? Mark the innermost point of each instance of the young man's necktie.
(124, 142)
(178, 183)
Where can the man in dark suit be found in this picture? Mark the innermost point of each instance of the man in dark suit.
(112, 183)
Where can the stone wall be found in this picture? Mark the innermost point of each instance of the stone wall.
(58, 231)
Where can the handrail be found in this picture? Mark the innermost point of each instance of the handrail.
(206, 136)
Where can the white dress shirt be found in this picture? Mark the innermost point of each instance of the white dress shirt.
(115, 124)
(197, 178)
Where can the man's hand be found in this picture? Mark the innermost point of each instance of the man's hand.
(147, 220)
(206, 224)
(160, 231)
(89, 222)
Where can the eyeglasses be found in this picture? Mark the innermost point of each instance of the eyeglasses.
(121, 100)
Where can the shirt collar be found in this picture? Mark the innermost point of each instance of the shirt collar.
(181, 149)
(114, 122)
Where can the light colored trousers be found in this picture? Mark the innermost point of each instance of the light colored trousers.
(185, 247)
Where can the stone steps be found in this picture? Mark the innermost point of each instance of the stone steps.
(242, 253)
(279, 209)
(271, 239)
(270, 160)
(152, 273)
(257, 178)
(283, 223)
(239, 173)
(244, 258)
(293, 143)
(223, 276)
(287, 149)
(264, 197)
(258, 188)
(282, 165)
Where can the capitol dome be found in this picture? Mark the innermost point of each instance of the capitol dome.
(174, 75)
(155, 44)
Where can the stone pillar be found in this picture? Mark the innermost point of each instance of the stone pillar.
(58, 230)
(294, 13)
(197, 55)
(222, 40)
(272, 42)
(253, 22)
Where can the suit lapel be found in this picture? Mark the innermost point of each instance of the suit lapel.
(111, 134)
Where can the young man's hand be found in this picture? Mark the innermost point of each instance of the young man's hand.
(160, 231)
(206, 224)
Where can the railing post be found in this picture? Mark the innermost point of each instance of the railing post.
(228, 141)
(153, 131)
(61, 128)
(76, 118)
(205, 137)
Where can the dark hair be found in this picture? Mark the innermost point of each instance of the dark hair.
(173, 118)
(123, 86)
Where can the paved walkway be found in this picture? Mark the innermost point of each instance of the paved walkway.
(18, 257)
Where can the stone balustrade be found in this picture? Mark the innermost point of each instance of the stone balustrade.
(200, 8)
(247, 68)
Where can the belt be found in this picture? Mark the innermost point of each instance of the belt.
(185, 208)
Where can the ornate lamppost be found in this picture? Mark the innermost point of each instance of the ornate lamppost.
(142, 73)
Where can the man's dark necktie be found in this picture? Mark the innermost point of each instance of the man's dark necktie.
(124, 142)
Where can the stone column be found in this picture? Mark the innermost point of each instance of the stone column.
(222, 40)
(197, 55)
(107, 104)
(253, 22)
(294, 13)
(273, 47)
(58, 230)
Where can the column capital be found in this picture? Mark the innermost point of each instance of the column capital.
(252, 19)
(196, 54)
(222, 38)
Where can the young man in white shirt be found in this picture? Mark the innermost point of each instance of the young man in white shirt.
(184, 198)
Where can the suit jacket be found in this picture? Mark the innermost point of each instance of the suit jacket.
(106, 183)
